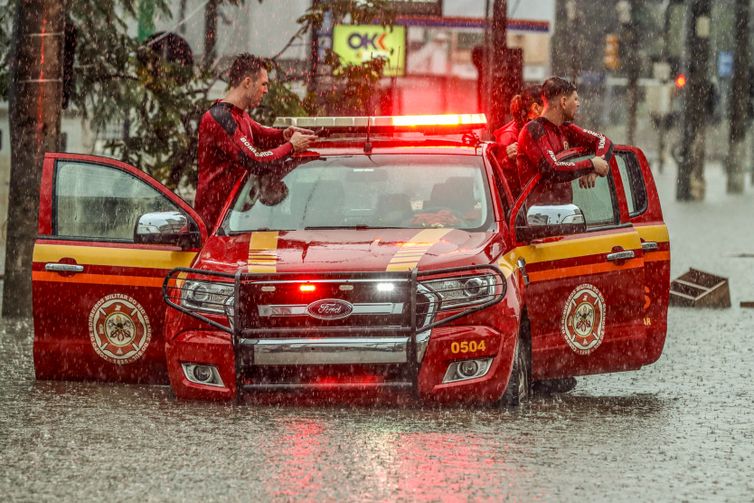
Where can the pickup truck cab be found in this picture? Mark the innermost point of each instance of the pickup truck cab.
(391, 258)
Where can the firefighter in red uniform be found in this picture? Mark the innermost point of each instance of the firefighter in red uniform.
(544, 137)
(232, 143)
(524, 107)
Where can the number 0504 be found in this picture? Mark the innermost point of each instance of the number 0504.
(467, 347)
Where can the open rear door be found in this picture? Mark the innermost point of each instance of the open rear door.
(97, 297)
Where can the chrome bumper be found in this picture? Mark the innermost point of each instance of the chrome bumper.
(334, 350)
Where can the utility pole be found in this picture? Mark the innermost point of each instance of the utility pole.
(497, 53)
(627, 16)
(572, 15)
(36, 95)
(690, 184)
(734, 163)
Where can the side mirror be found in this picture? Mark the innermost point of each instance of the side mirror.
(167, 228)
(548, 221)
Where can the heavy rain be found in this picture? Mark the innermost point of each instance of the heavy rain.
(121, 384)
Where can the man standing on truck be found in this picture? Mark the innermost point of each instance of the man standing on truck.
(232, 143)
(553, 132)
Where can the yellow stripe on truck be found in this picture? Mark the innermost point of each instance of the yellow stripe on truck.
(113, 256)
(263, 256)
(656, 233)
(409, 254)
(573, 248)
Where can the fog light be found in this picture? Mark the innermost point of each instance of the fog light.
(202, 373)
(469, 368)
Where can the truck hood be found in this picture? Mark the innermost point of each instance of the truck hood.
(348, 250)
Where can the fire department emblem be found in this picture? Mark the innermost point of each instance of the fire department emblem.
(119, 329)
(583, 323)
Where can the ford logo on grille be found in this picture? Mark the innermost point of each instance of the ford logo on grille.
(329, 309)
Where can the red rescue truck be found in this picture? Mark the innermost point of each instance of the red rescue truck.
(391, 258)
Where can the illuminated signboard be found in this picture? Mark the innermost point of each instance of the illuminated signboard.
(355, 44)
(417, 7)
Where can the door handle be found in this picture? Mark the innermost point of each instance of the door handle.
(58, 267)
(649, 246)
(621, 255)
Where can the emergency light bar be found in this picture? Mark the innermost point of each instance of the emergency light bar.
(443, 124)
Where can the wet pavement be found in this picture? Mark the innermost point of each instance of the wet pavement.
(679, 430)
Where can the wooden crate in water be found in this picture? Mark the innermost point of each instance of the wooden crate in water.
(699, 289)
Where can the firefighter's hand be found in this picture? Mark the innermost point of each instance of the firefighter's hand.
(600, 166)
(512, 151)
(301, 141)
(288, 132)
(588, 181)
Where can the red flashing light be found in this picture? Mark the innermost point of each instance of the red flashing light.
(307, 288)
(680, 81)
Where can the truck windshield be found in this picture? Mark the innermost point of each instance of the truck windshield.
(384, 191)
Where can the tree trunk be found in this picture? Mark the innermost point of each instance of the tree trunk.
(210, 32)
(734, 163)
(690, 186)
(35, 107)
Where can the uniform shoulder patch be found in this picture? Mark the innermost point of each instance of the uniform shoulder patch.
(221, 113)
(536, 129)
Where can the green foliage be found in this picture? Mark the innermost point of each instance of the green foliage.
(350, 91)
(118, 81)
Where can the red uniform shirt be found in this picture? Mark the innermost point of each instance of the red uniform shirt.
(539, 143)
(230, 144)
(505, 136)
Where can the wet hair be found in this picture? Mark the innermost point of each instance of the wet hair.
(555, 87)
(246, 65)
(521, 103)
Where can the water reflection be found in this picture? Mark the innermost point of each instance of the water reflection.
(666, 430)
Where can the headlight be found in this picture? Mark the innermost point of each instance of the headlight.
(208, 296)
(465, 290)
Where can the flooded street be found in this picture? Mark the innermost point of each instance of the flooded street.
(679, 430)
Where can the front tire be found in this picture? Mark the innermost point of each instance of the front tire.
(519, 384)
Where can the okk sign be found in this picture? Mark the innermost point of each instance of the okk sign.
(356, 44)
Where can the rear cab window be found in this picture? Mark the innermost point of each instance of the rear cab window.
(633, 183)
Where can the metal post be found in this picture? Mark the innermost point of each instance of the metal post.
(734, 163)
(500, 94)
(690, 185)
(627, 18)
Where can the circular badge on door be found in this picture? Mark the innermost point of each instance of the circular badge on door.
(583, 322)
(119, 329)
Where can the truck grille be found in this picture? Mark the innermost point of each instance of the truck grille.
(322, 306)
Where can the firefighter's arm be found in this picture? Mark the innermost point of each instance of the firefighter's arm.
(591, 140)
(540, 155)
(238, 145)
